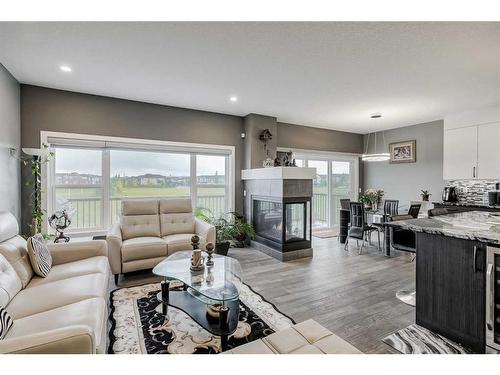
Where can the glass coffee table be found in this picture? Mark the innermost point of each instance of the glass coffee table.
(209, 296)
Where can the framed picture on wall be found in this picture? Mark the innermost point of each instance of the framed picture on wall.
(403, 152)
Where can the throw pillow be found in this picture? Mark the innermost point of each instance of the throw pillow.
(40, 257)
(5, 322)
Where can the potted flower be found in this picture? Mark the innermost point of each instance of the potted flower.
(425, 195)
(230, 229)
(370, 198)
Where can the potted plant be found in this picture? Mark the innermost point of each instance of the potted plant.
(370, 198)
(425, 195)
(230, 229)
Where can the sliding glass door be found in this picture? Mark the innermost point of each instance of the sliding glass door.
(336, 179)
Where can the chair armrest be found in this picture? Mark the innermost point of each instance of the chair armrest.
(204, 229)
(73, 251)
(114, 240)
(67, 340)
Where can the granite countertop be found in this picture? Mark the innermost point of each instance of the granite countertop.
(465, 204)
(473, 225)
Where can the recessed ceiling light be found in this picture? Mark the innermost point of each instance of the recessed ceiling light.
(233, 99)
(376, 115)
(65, 68)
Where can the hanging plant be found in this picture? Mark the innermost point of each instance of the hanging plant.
(35, 164)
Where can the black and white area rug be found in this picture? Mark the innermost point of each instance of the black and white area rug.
(419, 340)
(136, 327)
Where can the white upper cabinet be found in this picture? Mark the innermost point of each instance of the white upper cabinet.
(460, 153)
(472, 145)
(488, 151)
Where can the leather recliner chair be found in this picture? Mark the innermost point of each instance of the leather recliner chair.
(152, 229)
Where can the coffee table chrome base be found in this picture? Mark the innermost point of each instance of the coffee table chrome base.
(407, 296)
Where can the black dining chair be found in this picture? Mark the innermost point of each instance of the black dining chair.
(344, 204)
(414, 210)
(437, 212)
(359, 229)
(391, 207)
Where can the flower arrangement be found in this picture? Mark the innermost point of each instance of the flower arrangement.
(372, 197)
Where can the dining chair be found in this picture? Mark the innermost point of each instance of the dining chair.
(414, 210)
(391, 207)
(359, 229)
(437, 212)
(344, 203)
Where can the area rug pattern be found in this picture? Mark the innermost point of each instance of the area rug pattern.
(419, 340)
(325, 232)
(136, 327)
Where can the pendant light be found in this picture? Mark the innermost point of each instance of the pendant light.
(381, 156)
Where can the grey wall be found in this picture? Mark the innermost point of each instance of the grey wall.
(255, 154)
(10, 136)
(404, 181)
(308, 138)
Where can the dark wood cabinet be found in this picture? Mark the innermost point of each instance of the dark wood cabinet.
(450, 285)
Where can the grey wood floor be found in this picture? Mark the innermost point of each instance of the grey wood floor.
(352, 295)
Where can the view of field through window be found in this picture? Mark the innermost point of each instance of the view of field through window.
(79, 181)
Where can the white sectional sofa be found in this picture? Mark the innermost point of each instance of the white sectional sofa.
(66, 312)
(150, 230)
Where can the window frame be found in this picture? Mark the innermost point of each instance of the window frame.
(106, 143)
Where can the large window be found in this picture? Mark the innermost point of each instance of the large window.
(91, 182)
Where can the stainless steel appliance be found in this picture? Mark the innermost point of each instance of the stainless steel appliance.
(493, 300)
(494, 196)
(450, 194)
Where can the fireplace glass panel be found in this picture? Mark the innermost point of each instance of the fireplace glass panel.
(295, 219)
(268, 219)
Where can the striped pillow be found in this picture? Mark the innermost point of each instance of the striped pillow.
(5, 322)
(40, 257)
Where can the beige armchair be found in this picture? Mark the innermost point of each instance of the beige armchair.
(150, 230)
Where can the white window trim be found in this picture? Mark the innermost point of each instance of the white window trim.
(175, 146)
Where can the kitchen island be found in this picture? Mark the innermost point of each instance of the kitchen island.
(451, 274)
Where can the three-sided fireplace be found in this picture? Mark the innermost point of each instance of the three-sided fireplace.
(283, 224)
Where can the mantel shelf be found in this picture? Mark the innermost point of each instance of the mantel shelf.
(279, 173)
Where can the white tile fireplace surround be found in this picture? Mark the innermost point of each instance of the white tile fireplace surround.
(278, 204)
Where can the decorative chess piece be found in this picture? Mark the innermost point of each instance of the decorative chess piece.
(210, 250)
(195, 242)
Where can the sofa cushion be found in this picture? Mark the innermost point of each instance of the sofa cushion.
(82, 267)
(10, 283)
(334, 344)
(178, 242)
(48, 296)
(8, 226)
(15, 251)
(90, 312)
(143, 248)
(139, 207)
(176, 223)
(253, 347)
(133, 226)
(40, 258)
(175, 205)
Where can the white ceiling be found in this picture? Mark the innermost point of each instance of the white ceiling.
(331, 75)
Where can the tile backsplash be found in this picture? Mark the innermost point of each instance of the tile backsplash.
(473, 191)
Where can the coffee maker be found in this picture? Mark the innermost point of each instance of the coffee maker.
(494, 196)
(450, 194)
